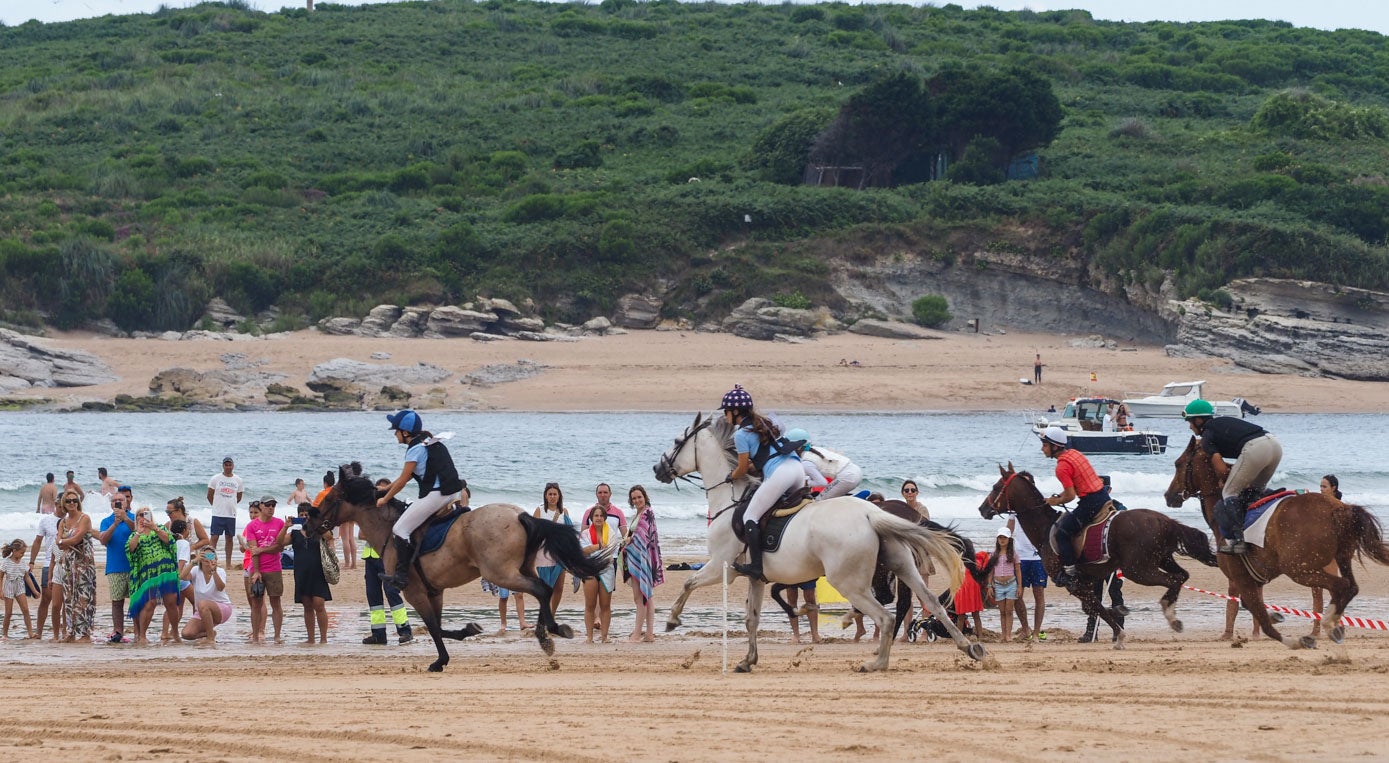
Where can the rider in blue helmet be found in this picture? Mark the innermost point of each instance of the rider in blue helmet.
(761, 450)
(429, 463)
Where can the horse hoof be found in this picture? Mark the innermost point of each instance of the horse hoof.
(1177, 626)
(436, 667)
(1338, 634)
(672, 625)
(1119, 644)
(975, 651)
(742, 667)
(472, 629)
(1121, 611)
(865, 668)
(549, 647)
(1307, 642)
(563, 631)
(1275, 617)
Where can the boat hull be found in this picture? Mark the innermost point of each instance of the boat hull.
(1117, 443)
(1173, 410)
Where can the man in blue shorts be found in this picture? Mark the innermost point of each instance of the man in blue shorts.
(1031, 575)
(224, 493)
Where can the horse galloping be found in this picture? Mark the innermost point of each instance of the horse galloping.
(838, 538)
(1306, 535)
(1141, 543)
(497, 541)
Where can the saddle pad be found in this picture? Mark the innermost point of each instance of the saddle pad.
(773, 530)
(789, 510)
(1095, 542)
(1256, 522)
(437, 530)
(1263, 502)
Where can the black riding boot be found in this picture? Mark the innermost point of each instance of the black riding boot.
(1229, 515)
(404, 554)
(753, 568)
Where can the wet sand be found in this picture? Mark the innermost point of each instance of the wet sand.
(1166, 696)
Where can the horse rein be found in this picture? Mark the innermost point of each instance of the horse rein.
(1000, 493)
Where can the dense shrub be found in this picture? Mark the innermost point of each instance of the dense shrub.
(931, 310)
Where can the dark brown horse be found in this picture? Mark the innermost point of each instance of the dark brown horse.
(1141, 543)
(497, 541)
(884, 581)
(1306, 535)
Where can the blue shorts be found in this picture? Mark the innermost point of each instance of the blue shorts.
(222, 526)
(807, 586)
(550, 574)
(1034, 575)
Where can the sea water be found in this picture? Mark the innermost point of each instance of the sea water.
(508, 457)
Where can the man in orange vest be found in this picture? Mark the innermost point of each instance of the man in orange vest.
(1078, 480)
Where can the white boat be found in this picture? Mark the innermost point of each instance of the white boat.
(1083, 420)
(1173, 398)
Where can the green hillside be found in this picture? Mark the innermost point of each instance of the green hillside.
(325, 162)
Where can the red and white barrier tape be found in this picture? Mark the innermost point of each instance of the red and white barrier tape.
(1354, 622)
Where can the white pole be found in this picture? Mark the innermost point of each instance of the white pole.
(725, 618)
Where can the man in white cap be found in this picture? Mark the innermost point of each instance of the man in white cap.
(224, 493)
(1078, 480)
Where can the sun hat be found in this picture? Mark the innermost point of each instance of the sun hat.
(268, 499)
(1054, 435)
(736, 398)
(1004, 532)
(406, 421)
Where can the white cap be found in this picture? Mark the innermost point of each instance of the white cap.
(1004, 532)
(1054, 435)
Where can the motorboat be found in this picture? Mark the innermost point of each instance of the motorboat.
(1083, 421)
(1170, 402)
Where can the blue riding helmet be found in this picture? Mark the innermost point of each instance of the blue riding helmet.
(799, 434)
(406, 421)
(736, 398)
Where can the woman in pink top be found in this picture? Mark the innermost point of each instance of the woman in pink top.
(1003, 579)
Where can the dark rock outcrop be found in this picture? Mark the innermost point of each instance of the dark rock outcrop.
(758, 318)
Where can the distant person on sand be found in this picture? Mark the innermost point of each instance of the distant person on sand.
(379, 594)
(1037, 369)
(71, 486)
(48, 496)
(299, 495)
(1031, 575)
(109, 484)
(552, 508)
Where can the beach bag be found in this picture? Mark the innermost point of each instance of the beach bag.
(331, 572)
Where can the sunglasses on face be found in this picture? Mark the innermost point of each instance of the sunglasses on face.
(908, 490)
(70, 500)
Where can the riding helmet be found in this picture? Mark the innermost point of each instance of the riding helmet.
(1054, 435)
(736, 398)
(406, 421)
(1197, 408)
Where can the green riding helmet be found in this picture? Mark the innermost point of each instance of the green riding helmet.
(1197, 408)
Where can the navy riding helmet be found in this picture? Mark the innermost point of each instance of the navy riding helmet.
(406, 421)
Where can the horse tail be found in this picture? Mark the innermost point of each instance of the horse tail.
(1194, 543)
(1368, 535)
(940, 546)
(562, 543)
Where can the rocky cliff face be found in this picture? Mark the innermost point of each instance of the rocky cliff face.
(1281, 326)
(1001, 290)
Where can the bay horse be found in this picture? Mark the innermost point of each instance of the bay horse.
(1306, 535)
(1141, 543)
(497, 541)
(840, 538)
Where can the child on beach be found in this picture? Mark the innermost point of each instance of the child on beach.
(14, 569)
(1003, 580)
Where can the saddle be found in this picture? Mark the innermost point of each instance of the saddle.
(774, 522)
(1091, 544)
(1264, 505)
(431, 536)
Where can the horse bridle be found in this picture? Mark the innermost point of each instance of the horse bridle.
(1188, 480)
(667, 465)
(327, 519)
(1000, 493)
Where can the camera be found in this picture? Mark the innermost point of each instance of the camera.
(296, 520)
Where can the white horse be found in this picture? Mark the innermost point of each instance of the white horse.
(839, 538)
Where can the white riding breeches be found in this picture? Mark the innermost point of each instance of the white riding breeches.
(844, 482)
(788, 476)
(420, 511)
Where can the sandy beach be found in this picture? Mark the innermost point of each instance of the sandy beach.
(686, 371)
(1168, 696)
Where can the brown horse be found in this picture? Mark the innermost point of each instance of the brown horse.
(497, 541)
(1306, 535)
(1141, 543)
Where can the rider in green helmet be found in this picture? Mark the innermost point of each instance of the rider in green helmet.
(1256, 455)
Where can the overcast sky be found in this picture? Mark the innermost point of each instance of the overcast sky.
(1326, 14)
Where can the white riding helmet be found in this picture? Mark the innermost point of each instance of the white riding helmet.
(1054, 435)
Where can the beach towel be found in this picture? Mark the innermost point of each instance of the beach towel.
(154, 572)
(644, 556)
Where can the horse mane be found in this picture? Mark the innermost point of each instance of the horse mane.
(724, 431)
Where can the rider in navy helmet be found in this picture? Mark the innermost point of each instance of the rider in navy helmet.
(429, 463)
(761, 451)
